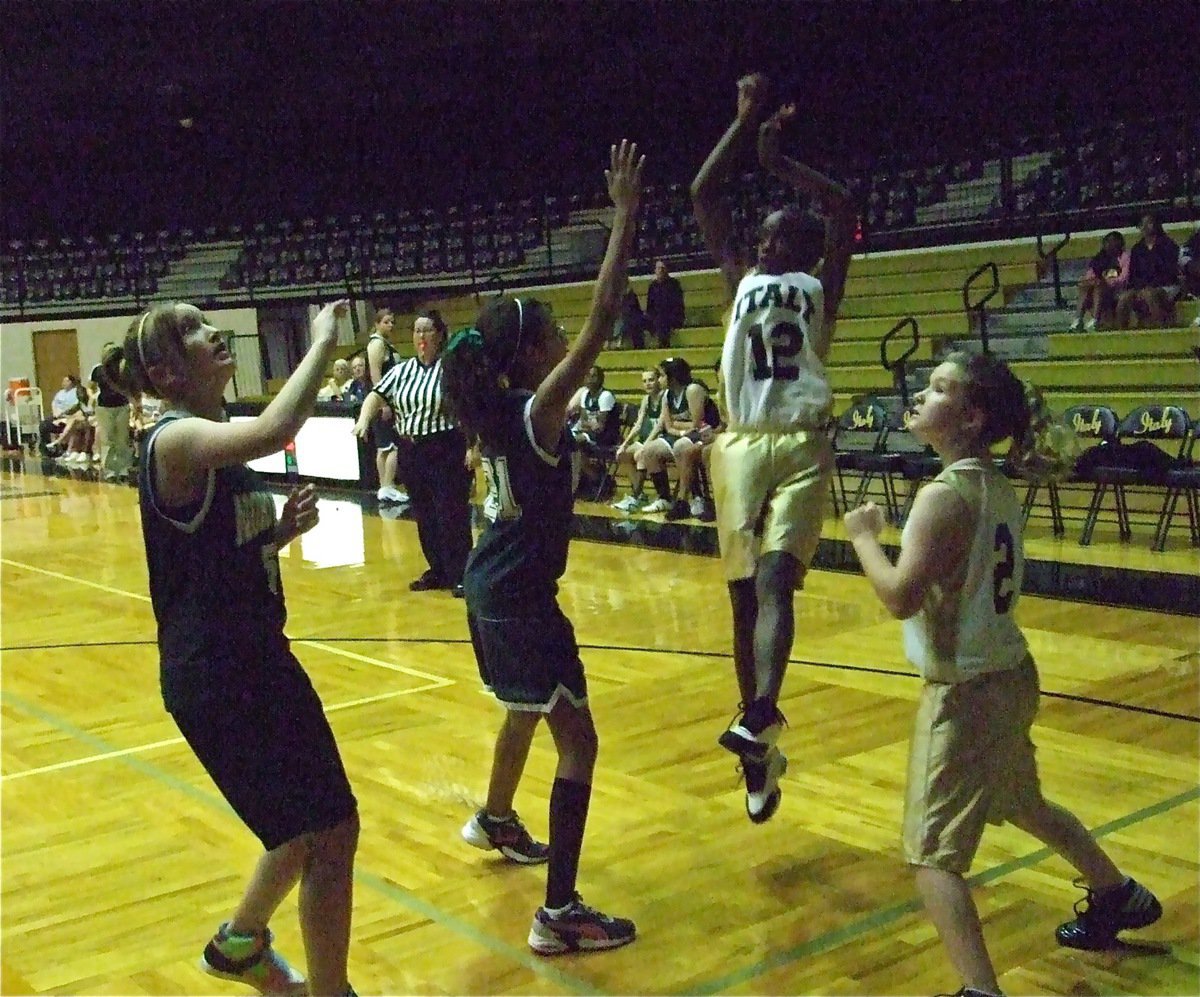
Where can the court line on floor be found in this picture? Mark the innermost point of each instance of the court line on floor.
(910, 674)
(883, 917)
(372, 881)
(351, 655)
(141, 748)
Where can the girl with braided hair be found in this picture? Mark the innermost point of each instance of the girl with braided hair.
(508, 383)
(956, 585)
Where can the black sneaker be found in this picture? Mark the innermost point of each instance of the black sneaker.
(679, 510)
(762, 785)
(508, 837)
(579, 928)
(708, 512)
(754, 732)
(426, 583)
(1099, 916)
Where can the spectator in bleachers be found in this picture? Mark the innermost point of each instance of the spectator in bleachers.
(64, 403)
(1153, 277)
(360, 383)
(664, 304)
(333, 389)
(1106, 277)
(1189, 268)
(593, 419)
(631, 323)
(645, 429)
(681, 425)
(591, 413)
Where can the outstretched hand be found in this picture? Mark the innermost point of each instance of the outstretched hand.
(769, 132)
(624, 175)
(752, 93)
(299, 514)
(324, 326)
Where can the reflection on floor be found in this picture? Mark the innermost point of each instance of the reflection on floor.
(1099, 574)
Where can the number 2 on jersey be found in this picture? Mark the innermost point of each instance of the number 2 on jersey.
(771, 352)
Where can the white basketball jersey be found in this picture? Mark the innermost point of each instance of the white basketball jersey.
(771, 364)
(961, 632)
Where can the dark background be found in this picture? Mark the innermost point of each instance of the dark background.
(305, 108)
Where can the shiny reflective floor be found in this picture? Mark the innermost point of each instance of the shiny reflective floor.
(119, 858)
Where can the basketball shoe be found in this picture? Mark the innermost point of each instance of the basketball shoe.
(250, 959)
(578, 928)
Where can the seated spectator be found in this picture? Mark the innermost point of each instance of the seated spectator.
(594, 423)
(645, 429)
(1153, 278)
(64, 403)
(1106, 277)
(331, 390)
(360, 382)
(664, 304)
(630, 323)
(591, 414)
(682, 426)
(1189, 268)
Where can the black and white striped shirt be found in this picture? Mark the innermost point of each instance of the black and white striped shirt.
(415, 394)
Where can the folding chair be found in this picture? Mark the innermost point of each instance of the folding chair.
(24, 416)
(1183, 480)
(603, 457)
(1118, 469)
(857, 440)
(908, 458)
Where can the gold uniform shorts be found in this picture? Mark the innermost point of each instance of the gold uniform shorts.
(770, 491)
(971, 763)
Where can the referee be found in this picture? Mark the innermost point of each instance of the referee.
(440, 485)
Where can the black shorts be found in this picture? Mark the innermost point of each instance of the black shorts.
(528, 662)
(383, 434)
(270, 751)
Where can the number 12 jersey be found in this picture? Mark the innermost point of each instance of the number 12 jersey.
(771, 366)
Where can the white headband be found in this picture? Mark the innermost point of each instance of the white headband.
(140, 345)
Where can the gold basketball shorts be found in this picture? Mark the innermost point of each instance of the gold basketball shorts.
(770, 490)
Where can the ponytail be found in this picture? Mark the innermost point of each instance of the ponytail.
(1048, 449)
(1043, 448)
(471, 384)
(479, 364)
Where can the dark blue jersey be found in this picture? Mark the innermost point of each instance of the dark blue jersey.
(214, 581)
(515, 566)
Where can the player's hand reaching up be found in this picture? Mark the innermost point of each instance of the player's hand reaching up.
(624, 175)
(752, 96)
(324, 326)
(769, 132)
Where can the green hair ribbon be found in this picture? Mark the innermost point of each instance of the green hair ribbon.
(471, 337)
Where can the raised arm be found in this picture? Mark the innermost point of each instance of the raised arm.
(713, 214)
(190, 447)
(832, 198)
(548, 412)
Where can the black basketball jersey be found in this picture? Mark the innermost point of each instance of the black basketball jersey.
(214, 581)
(389, 360)
(522, 552)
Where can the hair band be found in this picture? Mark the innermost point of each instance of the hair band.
(520, 331)
(140, 345)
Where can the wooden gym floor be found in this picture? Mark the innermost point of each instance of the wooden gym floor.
(119, 858)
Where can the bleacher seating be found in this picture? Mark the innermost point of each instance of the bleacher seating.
(1124, 369)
